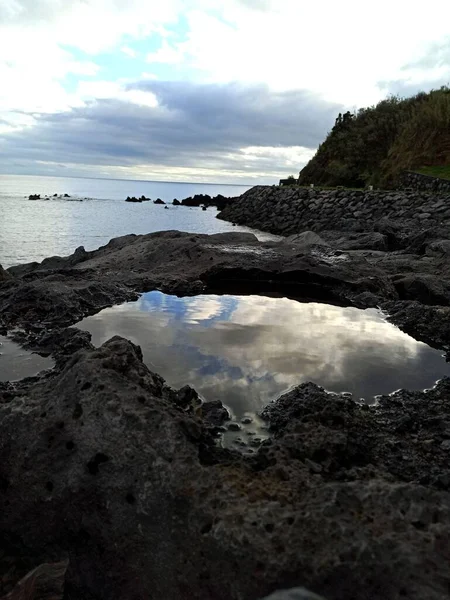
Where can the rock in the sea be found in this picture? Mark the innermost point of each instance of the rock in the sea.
(176, 202)
(158, 201)
(34, 197)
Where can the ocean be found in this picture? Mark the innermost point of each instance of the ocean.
(31, 230)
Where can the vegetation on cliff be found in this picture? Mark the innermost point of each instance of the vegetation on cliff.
(374, 145)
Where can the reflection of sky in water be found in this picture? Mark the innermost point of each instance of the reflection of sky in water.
(246, 350)
(16, 363)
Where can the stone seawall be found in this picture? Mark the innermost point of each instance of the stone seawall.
(289, 210)
(417, 181)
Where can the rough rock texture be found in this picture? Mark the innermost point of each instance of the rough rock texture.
(100, 461)
(61, 291)
(45, 582)
(289, 210)
(417, 181)
(97, 462)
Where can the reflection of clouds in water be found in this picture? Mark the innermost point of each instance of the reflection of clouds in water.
(247, 350)
(189, 309)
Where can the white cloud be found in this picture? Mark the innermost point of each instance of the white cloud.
(103, 90)
(166, 54)
(338, 51)
(128, 51)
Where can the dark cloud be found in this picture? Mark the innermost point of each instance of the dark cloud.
(194, 125)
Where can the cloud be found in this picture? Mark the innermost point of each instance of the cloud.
(228, 72)
(224, 129)
(165, 54)
(429, 70)
(128, 51)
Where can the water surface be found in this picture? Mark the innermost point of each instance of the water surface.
(17, 363)
(31, 230)
(247, 350)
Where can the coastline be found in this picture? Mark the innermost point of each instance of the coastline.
(335, 478)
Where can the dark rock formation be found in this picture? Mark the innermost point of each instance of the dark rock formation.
(99, 463)
(215, 413)
(176, 202)
(134, 199)
(158, 201)
(34, 197)
(66, 196)
(205, 200)
(290, 210)
(62, 290)
(418, 181)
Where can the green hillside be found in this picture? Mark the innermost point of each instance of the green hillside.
(375, 144)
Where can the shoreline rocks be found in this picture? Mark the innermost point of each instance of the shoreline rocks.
(102, 462)
(291, 210)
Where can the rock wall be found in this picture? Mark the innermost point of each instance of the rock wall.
(416, 181)
(288, 210)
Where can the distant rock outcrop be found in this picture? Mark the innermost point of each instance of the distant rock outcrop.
(205, 200)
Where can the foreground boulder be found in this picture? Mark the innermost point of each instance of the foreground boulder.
(100, 464)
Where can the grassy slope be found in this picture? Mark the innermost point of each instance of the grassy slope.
(443, 172)
(374, 145)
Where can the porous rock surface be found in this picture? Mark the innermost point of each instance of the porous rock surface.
(102, 463)
(99, 464)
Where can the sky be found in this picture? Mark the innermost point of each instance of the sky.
(227, 91)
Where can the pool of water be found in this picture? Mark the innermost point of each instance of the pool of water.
(247, 350)
(17, 363)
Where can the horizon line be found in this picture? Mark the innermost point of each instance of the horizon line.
(137, 180)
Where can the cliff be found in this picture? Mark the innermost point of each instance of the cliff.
(376, 144)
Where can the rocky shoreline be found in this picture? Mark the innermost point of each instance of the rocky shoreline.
(292, 209)
(106, 469)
